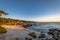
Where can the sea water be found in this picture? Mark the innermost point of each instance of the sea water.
(44, 26)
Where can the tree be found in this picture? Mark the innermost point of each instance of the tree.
(3, 13)
(2, 30)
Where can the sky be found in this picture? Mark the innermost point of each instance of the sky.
(32, 10)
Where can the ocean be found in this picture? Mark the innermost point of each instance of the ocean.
(44, 26)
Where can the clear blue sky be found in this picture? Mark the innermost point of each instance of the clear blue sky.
(31, 9)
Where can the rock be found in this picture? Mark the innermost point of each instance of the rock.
(42, 35)
(58, 36)
(24, 26)
(53, 31)
(28, 38)
(47, 39)
(52, 39)
(35, 24)
(16, 38)
(42, 38)
(32, 35)
(29, 24)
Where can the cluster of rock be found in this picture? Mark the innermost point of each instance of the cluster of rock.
(34, 36)
(55, 33)
(27, 25)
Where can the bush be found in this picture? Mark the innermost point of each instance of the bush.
(2, 30)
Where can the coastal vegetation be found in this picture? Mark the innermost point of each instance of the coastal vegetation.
(10, 21)
(2, 30)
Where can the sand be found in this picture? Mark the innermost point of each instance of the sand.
(16, 31)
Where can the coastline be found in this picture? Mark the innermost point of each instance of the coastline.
(21, 33)
(14, 27)
(16, 31)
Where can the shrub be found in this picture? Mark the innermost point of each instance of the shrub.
(2, 30)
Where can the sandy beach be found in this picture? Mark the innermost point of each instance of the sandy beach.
(16, 31)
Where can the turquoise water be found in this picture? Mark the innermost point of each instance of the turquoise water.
(45, 26)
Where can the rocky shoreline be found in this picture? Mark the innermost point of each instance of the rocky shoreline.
(18, 32)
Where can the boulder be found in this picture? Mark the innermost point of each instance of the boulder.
(28, 38)
(53, 31)
(32, 35)
(24, 26)
(42, 35)
(29, 24)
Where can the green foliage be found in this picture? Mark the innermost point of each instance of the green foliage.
(2, 30)
(3, 13)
